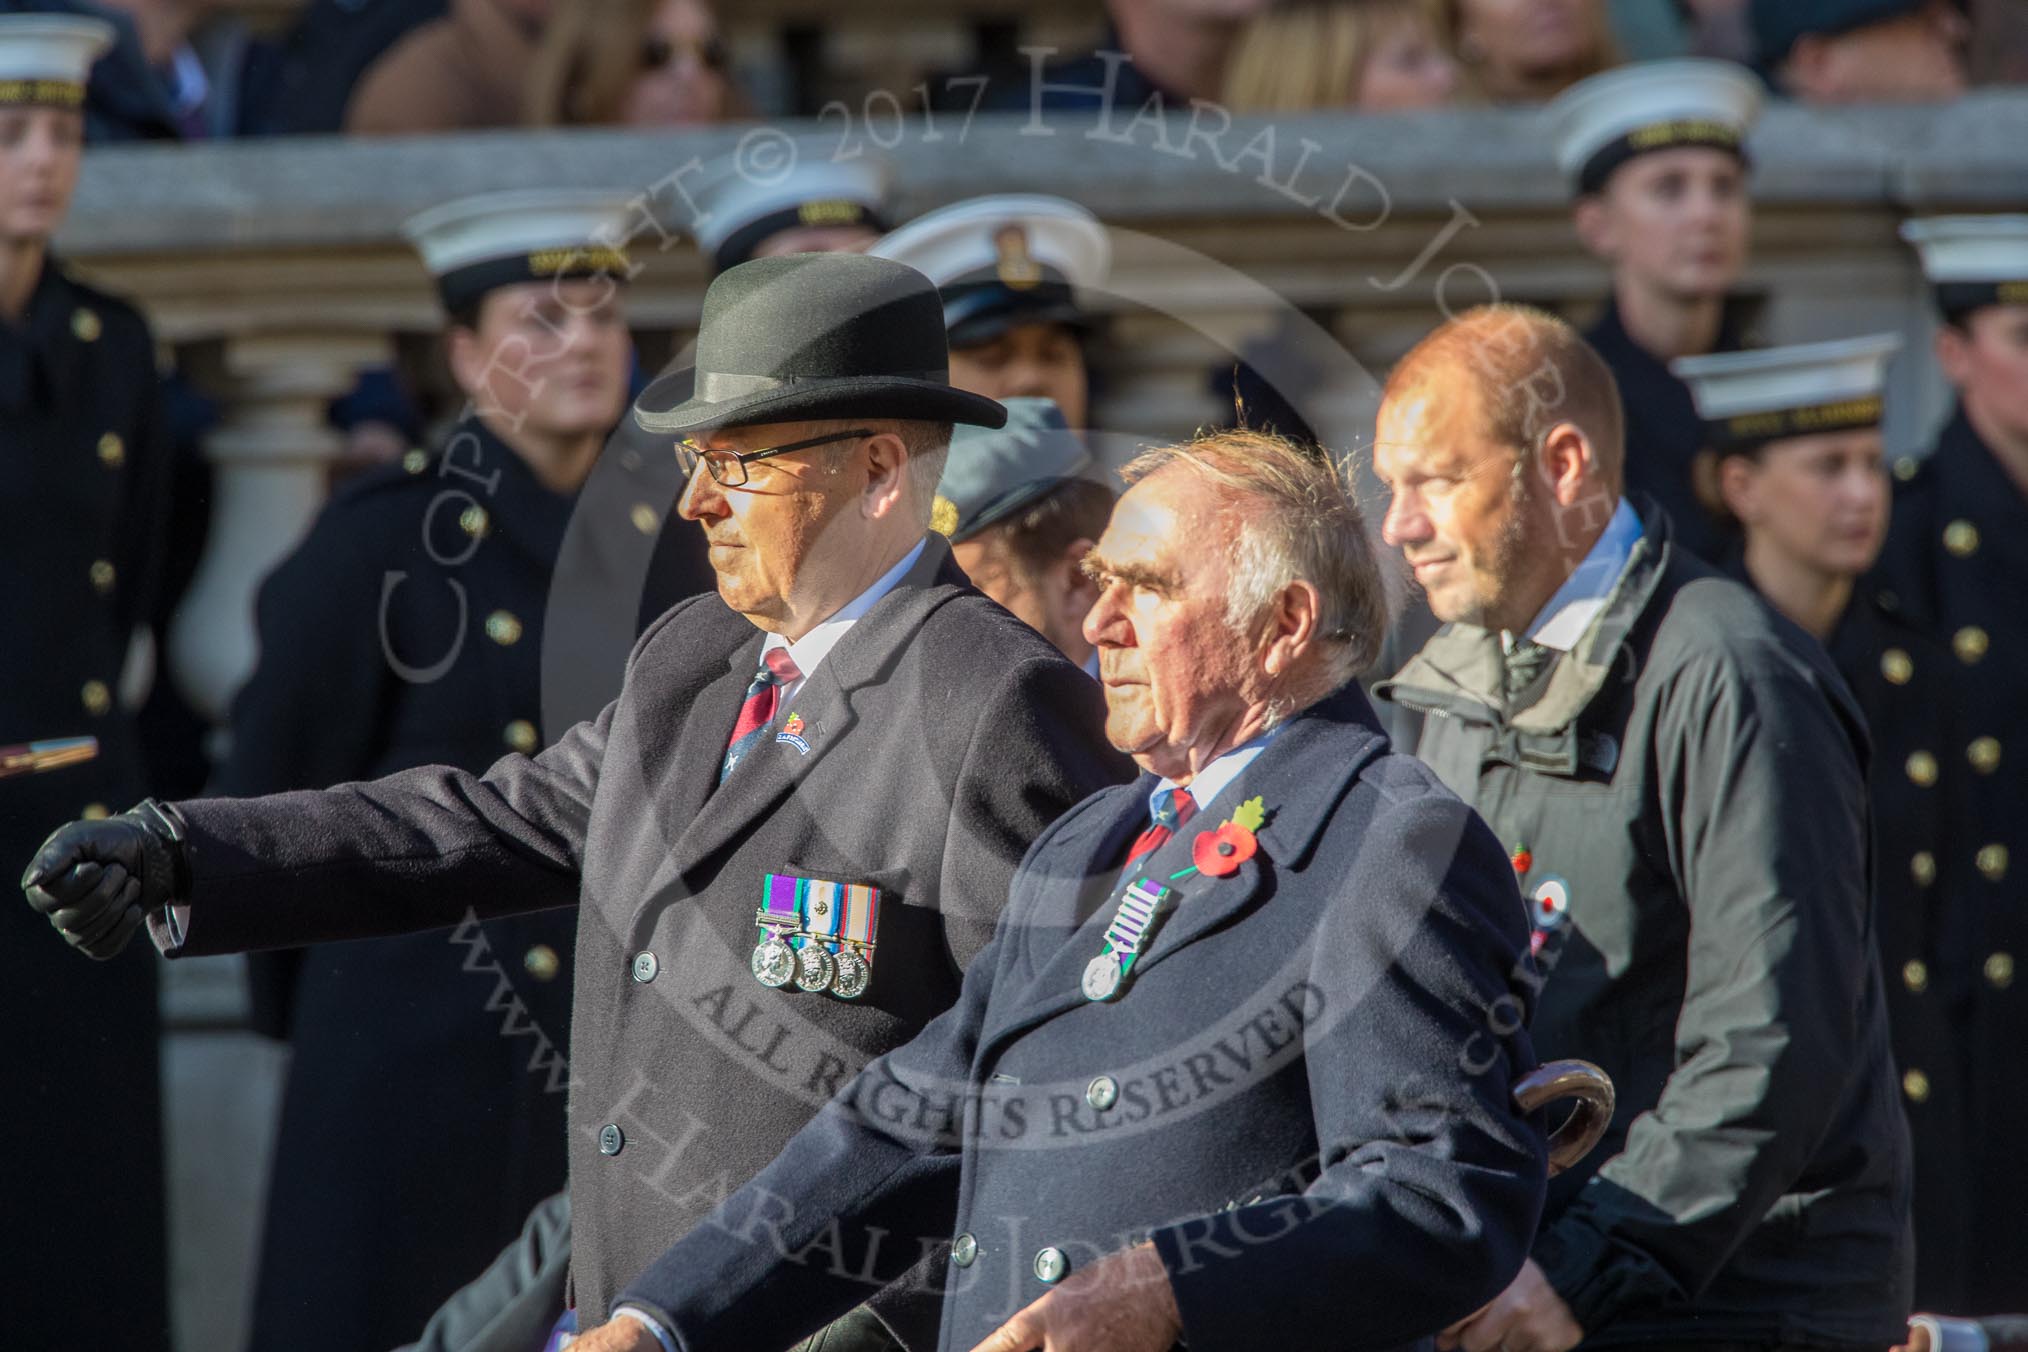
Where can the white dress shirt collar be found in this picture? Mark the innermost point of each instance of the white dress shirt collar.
(809, 651)
(1213, 778)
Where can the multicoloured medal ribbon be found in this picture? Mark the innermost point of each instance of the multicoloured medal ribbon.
(855, 955)
(780, 919)
(1133, 925)
(821, 916)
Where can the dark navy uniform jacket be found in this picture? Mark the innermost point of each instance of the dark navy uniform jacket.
(83, 473)
(1664, 438)
(937, 739)
(1953, 570)
(1302, 1095)
(424, 1109)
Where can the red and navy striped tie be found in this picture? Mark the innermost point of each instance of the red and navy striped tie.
(777, 669)
(1178, 808)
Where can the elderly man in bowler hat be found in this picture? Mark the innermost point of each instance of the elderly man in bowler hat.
(1236, 1070)
(787, 836)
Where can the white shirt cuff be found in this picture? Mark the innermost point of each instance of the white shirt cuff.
(650, 1323)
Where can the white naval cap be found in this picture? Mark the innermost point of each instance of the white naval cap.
(46, 58)
(1972, 261)
(1012, 258)
(742, 202)
(1602, 122)
(1747, 399)
(499, 239)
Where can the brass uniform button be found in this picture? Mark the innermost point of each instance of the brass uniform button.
(542, 962)
(86, 324)
(1999, 971)
(521, 736)
(1915, 1084)
(646, 519)
(1921, 769)
(1922, 866)
(103, 577)
(1905, 468)
(112, 450)
(943, 515)
(1970, 644)
(1897, 666)
(503, 628)
(98, 701)
(1984, 754)
(474, 522)
(95, 812)
(1915, 976)
(1961, 538)
(416, 461)
(1992, 861)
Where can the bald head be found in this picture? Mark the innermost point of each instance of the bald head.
(1518, 373)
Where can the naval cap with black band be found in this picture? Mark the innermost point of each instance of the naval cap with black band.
(45, 59)
(1747, 399)
(1603, 122)
(476, 245)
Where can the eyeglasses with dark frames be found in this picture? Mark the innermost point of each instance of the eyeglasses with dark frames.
(728, 468)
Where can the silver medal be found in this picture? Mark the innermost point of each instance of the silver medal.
(854, 975)
(774, 962)
(814, 968)
(1102, 977)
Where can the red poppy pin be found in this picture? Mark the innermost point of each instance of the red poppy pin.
(1219, 853)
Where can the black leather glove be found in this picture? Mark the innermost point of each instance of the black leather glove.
(98, 881)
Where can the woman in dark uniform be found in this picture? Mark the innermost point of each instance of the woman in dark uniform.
(1802, 470)
(83, 466)
(1655, 153)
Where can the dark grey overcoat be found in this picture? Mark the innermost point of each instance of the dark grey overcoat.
(942, 736)
(1303, 1095)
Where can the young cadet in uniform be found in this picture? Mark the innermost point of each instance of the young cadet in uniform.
(1010, 268)
(1957, 551)
(408, 630)
(83, 488)
(1676, 772)
(785, 839)
(1237, 1069)
(1020, 517)
(1656, 153)
(1801, 468)
(821, 206)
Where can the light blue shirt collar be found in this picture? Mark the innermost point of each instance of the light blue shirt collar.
(1213, 778)
(809, 651)
(1583, 594)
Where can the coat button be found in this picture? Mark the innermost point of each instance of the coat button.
(103, 576)
(1921, 767)
(1922, 867)
(1992, 861)
(95, 812)
(1999, 971)
(1961, 538)
(964, 1250)
(1984, 754)
(1102, 1093)
(520, 735)
(646, 519)
(1897, 666)
(98, 701)
(611, 1138)
(474, 522)
(542, 962)
(645, 966)
(1915, 1084)
(1050, 1265)
(504, 628)
(416, 460)
(1905, 468)
(1970, 644)
(85, 324)
(112, 450)
(1915, 976)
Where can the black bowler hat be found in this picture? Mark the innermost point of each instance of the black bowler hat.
(810, 337)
